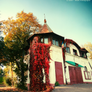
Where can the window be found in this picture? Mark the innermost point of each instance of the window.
(55, 42)
(67, 49)
(87, 75)
(74, 52)
(83, 55)
(44, 40)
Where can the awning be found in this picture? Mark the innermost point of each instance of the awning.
(74, 64)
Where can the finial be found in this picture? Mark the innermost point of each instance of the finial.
(44, 19)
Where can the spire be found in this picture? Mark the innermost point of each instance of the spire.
(45, 28)
(44, 19)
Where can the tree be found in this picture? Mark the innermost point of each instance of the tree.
(1, 75)
(2, 46)
(16, 33)
(88, 47)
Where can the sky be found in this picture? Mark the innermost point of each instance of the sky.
(71, 19)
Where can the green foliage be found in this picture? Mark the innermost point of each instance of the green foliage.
(1, 73)
(21, 86)
(4, 81)
(20, 73)
(1, 49)
(1, 79)
(9, 81)
(57, 84)
(15, 42)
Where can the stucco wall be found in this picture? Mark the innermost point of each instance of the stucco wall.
(79, 60)
(73, 47)
(56, 56)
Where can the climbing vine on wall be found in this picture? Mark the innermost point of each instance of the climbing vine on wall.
(39, 60)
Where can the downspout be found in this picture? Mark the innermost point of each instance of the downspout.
(63, 53)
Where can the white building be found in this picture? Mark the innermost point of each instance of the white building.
(69, 64)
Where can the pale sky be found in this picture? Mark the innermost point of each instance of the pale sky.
(69, 18)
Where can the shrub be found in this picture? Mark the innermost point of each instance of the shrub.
(57, 84)
(1, 79)
(9, 81)
(4, 81)
(20, 86)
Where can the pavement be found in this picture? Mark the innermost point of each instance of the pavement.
(74, 88)
(61, 88)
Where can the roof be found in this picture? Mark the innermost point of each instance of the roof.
(44, 34)
(73, 42)
(45, 28)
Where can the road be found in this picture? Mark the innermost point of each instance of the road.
(62, 88)
(74, 88)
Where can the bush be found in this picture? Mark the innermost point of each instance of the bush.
(20, 86)
(9, 81)
(4, 81)
(1, 79)
(57, 84)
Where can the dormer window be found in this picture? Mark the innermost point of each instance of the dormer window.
(74, 52)
(83, 55)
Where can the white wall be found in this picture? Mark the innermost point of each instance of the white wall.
(73, 47)
(79, 60)
(56, 56)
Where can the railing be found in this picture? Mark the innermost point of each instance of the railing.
(75, 55)
(77, 59)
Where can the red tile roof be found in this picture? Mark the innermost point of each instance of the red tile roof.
(45, 28)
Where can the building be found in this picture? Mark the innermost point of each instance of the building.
(69, 64)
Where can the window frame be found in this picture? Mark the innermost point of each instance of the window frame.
(75, 51)
(87, 75)
(42, 40)
(55, 43)
(66, 50)
(83, 55)
(46, 39)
